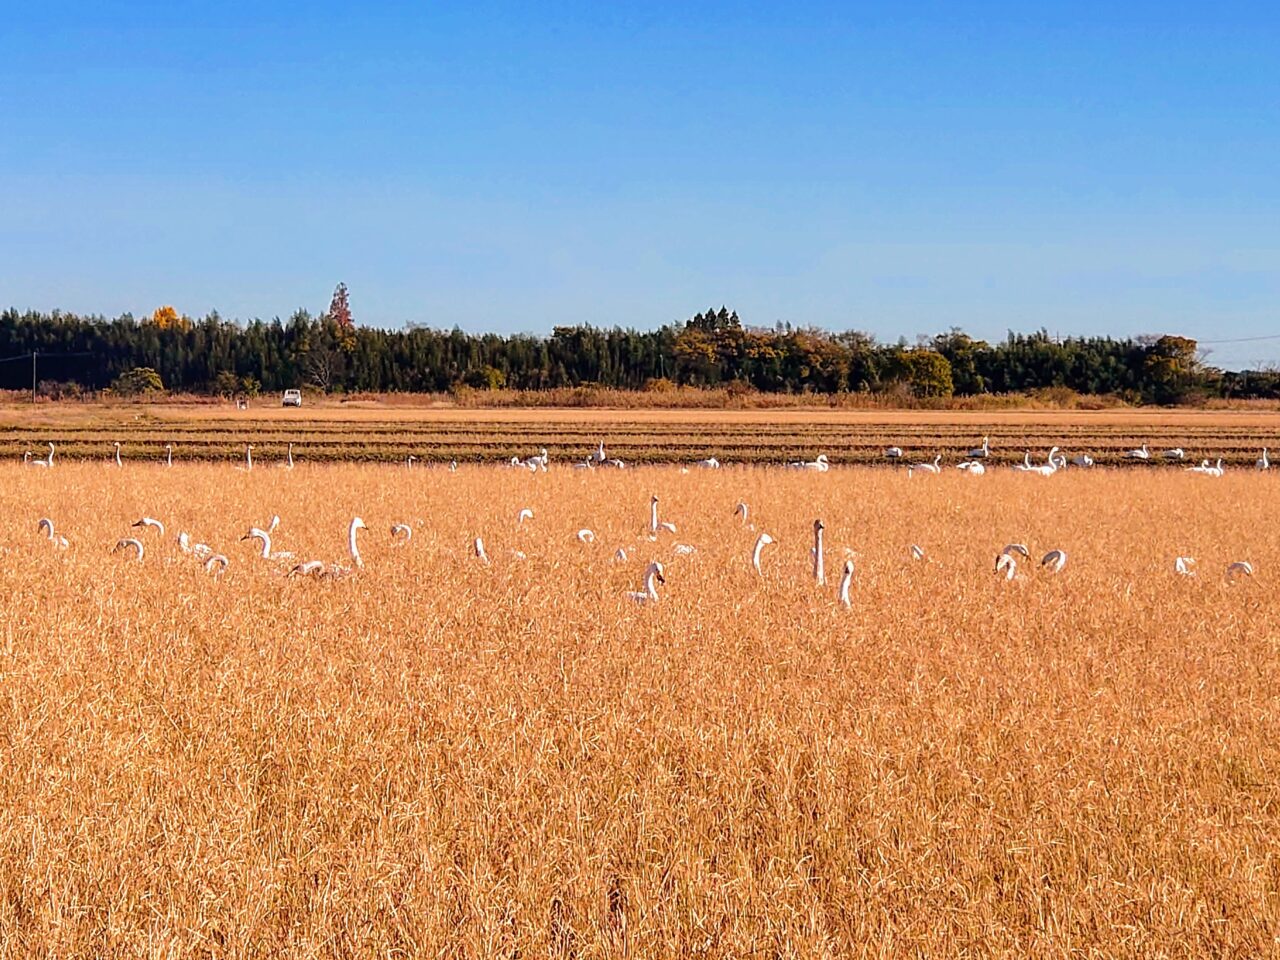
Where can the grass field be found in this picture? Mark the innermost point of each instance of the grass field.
(434, 756)
(378, 433)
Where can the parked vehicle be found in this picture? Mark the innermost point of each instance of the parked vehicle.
(291, 398)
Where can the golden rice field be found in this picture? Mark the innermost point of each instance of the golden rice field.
(438, 757)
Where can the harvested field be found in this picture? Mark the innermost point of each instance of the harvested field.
(436, 756)
(391, 434)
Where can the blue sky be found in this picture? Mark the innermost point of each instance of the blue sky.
(894, 168)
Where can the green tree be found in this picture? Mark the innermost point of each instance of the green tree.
(1172, 368)
(926, 372)
(138, 381)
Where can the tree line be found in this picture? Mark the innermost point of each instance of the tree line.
(329, 352)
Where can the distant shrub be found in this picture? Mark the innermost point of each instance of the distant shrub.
(137, 382)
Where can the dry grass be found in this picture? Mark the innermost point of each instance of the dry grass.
(435, 757)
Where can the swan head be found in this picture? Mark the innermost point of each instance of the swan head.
(655, 570)
(357, 524)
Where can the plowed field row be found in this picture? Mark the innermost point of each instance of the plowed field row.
(335, 435)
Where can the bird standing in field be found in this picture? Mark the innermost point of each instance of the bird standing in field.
(1054, 560)
(819, 571)
(46, 525)
(653, 576)
(127, 543)
(846, 579)
(761, 542)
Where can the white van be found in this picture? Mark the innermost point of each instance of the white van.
(292, 398)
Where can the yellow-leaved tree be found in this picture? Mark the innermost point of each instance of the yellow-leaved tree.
(167, 318)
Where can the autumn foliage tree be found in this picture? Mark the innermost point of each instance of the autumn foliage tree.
(168, 318)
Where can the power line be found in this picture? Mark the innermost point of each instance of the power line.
(1273, 336)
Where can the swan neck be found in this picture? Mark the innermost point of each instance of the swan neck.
(351, 544)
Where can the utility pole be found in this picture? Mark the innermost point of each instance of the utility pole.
(33, 376)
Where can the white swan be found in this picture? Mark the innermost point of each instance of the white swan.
(1011, 548)
(1025, 466)
(653, 575)
(46, 525)
(1054, 560)
(1175, 453)
(587, 464)
(1263, 464)
(477, 547)
(308, 569)
(846, 578)
(1207, 471)
(1182, 566)
(47, 461)
(615, 463)
(894, 453)
(168, 454)
(761, 542)
(453, 466)
(586, 536)
(1239, 568)
(1140, 454)
(741, 510)
(935, 467)
(257, 533)
(124, 543)
(599, 456)
(523, 515)
(402, 533)
(974, 468)
(216, 564)
(409, 461)
(1048, 469)
(119, 462)
(654, 525)
(620, 555)
(819, 570)
(248, 456)
(917, 552)
(536, 462)
(1084, 460)
(288, 458)
(352, 548)
(818, 464)
(1006, 565)
(201, 551)
(711, 463)
(318, 567)
(150, 523)
(982, 451)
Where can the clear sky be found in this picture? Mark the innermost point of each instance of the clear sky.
(898, 168)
